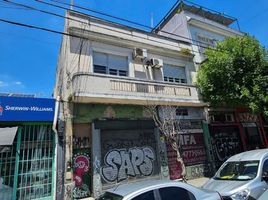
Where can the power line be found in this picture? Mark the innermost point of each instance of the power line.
(41, 28)
(111, 22)
(61, 16)
(101, 13)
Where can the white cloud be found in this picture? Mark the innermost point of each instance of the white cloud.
(9, 83)
(3, 84)
(18, 83)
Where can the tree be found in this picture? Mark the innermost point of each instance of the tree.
(236, 74)
(168, 123)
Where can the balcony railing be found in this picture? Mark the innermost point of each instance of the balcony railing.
(88, 85)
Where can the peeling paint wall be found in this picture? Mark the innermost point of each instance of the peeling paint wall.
(85, 113)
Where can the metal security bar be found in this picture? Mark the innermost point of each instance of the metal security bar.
(7, 169)
(27, 167)
(36, 163)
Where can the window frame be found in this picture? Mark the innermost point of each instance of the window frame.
(109, 70)
(174, 80)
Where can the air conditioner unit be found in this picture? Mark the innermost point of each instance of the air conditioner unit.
(157, 63)
(139, 53)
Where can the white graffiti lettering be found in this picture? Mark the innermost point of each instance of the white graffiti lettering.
(120, 163)
(187, 139)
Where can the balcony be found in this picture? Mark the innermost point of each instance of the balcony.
(98, 88)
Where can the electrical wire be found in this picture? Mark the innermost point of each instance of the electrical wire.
(111, 22)
(46, 12)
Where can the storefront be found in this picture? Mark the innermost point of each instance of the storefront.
(252, 129)
(224, 136)
(114, 144)
(27, 148)
(192, 150)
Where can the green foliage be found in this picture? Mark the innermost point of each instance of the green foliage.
(236, 74)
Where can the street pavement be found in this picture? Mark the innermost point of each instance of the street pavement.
(198, 182)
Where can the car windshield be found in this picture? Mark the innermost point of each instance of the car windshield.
(240, 170)
(110, 196)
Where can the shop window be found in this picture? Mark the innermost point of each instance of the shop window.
(182, 112)
(221, 117)
(253, 138)
(110, 64)
(174, 74)
(29, 163)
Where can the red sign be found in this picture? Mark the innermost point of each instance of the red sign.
(193, 148)
(174, 166)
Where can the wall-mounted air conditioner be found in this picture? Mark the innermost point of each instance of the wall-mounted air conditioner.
(157, 63)
(139, 54)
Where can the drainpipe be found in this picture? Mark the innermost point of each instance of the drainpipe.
(56, 142)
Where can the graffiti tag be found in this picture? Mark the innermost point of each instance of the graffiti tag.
(122, 163)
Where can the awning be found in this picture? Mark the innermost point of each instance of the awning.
(7, 135)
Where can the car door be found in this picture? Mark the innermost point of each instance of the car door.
(175, 193)
(262, 185)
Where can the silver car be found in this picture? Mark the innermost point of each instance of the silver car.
(158, 190)
(243, 176)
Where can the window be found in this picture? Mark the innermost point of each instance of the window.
(110, 196)
(181, 112)
(175, 193)
(174, 74)
(265, 167)
(238, 170)
(145, 196)
(110, 64)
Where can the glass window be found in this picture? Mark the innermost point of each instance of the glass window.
(253, 138)
(265, 167)
(181, 112)
(109, 196)
(145, 196)
(176, 193)
(174, 74)
(240, 170)
(110, 64)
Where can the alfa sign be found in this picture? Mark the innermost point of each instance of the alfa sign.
(26, 109)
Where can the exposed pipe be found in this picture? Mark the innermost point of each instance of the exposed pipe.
(56, 142)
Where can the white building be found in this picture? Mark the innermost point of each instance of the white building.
(203, 28)
(106, 74)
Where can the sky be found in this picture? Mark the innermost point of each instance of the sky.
(28, 57)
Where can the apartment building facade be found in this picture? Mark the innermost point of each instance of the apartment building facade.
(107, 73)
(227, 131)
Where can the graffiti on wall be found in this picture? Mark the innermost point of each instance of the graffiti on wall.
(122, 163)
(224, 146)
(81, 174)
(225, 142)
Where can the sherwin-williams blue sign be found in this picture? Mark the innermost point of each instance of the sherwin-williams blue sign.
(26, 109)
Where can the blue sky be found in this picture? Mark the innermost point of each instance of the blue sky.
(28, 57)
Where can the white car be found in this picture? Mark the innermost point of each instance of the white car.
(243, 176)
(158, 190)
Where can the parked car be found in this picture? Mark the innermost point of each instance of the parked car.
(243, 176)
(158, 190)
(264, 196)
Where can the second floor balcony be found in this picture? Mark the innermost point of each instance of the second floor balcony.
(98, 88)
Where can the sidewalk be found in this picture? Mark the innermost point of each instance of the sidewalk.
(198, 182)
